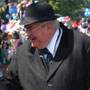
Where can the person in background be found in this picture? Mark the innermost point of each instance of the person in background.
(5, 46)
(84, 25)
(89, 29)
(17, 41)
(1, 46)
(74, 25)
(54, 57)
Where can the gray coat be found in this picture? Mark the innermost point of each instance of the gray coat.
(70, 69)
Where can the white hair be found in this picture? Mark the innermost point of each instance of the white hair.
(54, 23)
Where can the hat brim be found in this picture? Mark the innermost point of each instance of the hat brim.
(32, 20)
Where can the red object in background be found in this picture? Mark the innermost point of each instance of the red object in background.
(63, 21)
(74, 24)
(12, 25)
(67, 18)
(10, 35)
(89, 29)
(79, 23)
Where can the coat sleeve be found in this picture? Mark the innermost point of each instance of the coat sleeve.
(10, 80)
(88, 79)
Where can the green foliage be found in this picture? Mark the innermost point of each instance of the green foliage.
(1, 0)
(73, 8)
(2, 10)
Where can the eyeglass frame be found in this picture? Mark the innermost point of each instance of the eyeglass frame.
(32, 30)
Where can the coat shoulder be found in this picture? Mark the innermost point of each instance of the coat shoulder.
(25, 46)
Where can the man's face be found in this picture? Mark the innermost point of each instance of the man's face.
(40, 35)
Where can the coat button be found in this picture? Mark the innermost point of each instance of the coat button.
(50, 85)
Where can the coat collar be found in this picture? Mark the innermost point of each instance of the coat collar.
(63, 51)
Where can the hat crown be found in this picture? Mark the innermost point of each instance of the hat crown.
(39, 10)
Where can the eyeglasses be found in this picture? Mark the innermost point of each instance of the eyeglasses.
(32, 30)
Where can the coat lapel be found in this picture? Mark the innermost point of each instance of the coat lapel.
(35, 60)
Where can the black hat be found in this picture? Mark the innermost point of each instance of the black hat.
(38, 12)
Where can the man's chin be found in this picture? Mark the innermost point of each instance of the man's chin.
(33, 45)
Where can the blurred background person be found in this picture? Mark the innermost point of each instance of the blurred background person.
(17, 40)
(5, 46)
(84, 25)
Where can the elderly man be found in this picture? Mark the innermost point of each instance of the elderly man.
(54, 58)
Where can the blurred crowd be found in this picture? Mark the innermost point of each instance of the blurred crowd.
(82, 26)
(12, 35)
(9, 43)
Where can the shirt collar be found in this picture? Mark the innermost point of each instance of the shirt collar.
(51, 46)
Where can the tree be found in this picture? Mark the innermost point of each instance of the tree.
(1, 0)
(72, 8)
